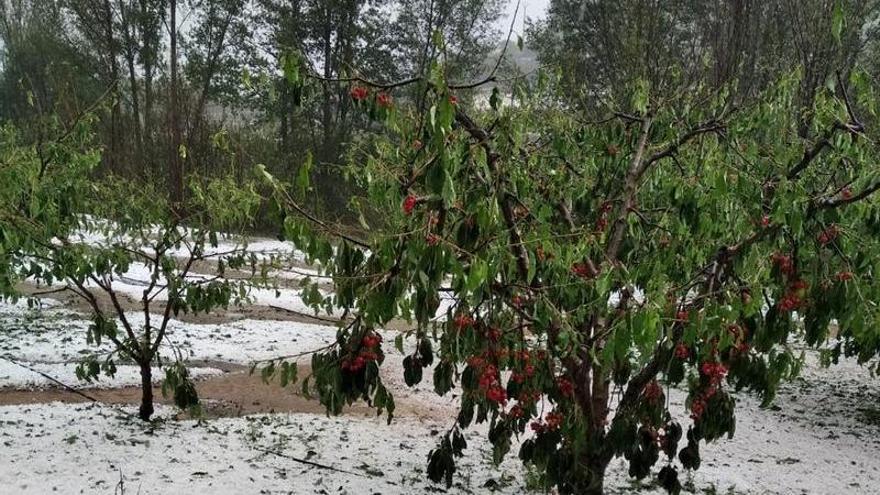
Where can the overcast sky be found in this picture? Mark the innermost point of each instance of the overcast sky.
(533, 9)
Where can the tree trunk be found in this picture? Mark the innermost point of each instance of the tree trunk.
(146, 409)
(148, 35)
(593, 480)
(175, 162)
(113, 146)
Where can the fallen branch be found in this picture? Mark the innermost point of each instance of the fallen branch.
(51, 379)
(307, 315)
(318, 464)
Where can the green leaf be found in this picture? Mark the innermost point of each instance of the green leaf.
(495, 99)
(837, 21)
(302, 175)
(267, 372)
(443, 378)
(290, 64)
(640, 97)
(476, 275)
(412, 371)
(448, 192)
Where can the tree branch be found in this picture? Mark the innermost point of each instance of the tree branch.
(637, 168)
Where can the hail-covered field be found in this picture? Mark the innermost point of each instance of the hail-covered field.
(256, 438)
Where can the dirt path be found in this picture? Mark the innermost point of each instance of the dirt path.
(232, 394)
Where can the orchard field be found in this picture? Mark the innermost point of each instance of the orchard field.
(454, 246)
(820, 437)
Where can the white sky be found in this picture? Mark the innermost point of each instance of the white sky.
(533, 9)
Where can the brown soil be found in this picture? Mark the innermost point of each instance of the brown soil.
(231, 394)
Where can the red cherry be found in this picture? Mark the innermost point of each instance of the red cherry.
(566, 388)
(516, 411)
(359, 93)
(358, 363)
(553, 420)
(497, 394)
(682, 351)
(653, 392)
(698, 407)
(409, 204)
(384, 100)
(463, 321)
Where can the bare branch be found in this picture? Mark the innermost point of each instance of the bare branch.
(704, 128)
(841, 201)
(637, 168)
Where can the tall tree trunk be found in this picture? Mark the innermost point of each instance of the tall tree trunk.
(214, 53)
(148, 47)
(174, 160)
(113, 145)
(130, 59)
(285, 107)
(326, 107)
(146, 409)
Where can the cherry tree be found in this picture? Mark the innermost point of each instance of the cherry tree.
(67, 232)
(594, 265)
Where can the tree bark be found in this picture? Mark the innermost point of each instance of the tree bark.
(131, 61)
(174, 160)
(113, 145)
(593, 481)
(146, 409)
(149, 35)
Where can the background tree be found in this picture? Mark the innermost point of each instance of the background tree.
(605, 46)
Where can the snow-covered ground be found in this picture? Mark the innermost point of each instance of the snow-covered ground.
(89, 448)
(821, 437)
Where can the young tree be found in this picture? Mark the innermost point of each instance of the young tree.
(593, 265)
(52, 215)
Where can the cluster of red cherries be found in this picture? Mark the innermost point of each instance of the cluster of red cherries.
(551, 422)
(361, 93)
(828, 235)
(715, 372)
(793, 299)
(602, 221)
(368, 353)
